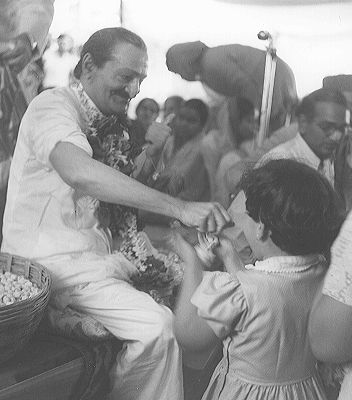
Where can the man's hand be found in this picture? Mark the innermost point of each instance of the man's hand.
(19, 52)
(206, 217)
(157, 134)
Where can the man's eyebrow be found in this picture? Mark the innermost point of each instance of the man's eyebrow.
(131, 71)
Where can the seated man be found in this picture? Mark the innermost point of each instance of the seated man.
(73, 152)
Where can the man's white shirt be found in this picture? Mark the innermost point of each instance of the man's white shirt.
(297, 149)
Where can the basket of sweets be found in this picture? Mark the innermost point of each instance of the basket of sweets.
(24, 295)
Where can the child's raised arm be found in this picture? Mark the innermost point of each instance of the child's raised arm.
(192, 332)
(227, 253)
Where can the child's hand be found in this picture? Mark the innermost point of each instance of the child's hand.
(224, 249)
(181, 247)
(226, 252)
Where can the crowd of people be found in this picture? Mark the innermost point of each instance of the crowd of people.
(85, 180)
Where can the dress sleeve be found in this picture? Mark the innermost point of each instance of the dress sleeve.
(53, 121)
(221, 302)
(338, 281)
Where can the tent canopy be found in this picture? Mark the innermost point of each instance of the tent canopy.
(285, 2)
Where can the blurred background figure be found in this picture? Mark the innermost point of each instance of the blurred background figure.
(235, 70)
(33, 78)
(232, 138)
(342, 83)
(60, 60)
(181, 170)
(24, 26)
(171, 105)
(147, 111)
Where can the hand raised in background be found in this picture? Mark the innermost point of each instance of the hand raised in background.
(157, 134)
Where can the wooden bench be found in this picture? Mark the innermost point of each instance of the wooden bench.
(55, 368)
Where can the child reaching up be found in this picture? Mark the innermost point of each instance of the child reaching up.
(260, 312)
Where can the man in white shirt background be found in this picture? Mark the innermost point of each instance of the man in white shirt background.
(321, 126)
(321, 134)
(320, 143)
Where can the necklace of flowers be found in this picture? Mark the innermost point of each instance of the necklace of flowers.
(110, 142)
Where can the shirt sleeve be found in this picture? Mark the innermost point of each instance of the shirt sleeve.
(338, 280)
(52, 121)
(221, 302)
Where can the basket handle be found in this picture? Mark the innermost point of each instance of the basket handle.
(8, 266)
(26, 268)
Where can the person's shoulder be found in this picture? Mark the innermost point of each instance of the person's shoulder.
(250, 279)
(282, 150)
(285, 146)
(59, 101)
(59, 95)
(228, 159)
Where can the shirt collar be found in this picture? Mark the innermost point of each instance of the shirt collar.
(287, 264)
(314, 160)
(309, 154)
(93, 114)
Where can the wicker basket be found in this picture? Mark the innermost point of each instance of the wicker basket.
(19, 321)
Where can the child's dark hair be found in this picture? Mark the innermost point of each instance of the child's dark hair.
(296, 204)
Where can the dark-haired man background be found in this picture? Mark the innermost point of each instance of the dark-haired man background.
(321, 133)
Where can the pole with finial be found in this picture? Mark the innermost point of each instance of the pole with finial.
(268, 86)
(121, 13)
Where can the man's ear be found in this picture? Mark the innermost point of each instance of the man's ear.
(262, 233)
(88, 65)
(302, 124)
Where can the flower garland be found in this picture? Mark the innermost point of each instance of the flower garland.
(159, 273)
(112, 146)
(111, 143)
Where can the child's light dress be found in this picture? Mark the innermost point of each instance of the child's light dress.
(262, 316)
